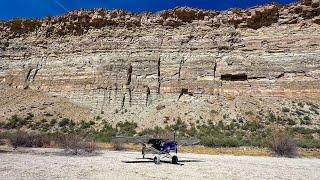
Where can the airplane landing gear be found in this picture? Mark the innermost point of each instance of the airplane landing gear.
(156, 159)
(174, 160)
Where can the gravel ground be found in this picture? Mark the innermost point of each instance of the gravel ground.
(50, 164)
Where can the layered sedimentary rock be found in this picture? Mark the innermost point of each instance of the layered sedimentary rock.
(182, 62)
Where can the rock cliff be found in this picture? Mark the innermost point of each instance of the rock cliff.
(153, 68)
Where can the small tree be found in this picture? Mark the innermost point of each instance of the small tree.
(282, 144)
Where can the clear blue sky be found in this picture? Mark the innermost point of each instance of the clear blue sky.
(40, 8)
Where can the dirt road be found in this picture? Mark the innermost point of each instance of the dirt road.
(49, 164)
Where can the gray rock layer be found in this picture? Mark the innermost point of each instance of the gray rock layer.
(183, 59)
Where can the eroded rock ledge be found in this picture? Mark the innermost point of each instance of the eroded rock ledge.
(189, 62)
(80, 21)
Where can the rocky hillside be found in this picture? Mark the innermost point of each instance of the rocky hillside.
(154, 68)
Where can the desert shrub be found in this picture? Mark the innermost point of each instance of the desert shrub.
(301, 104)
(272, 117)
(76, 145)
(29, 116)
(15, 122)
(3, 137)
(220, 141)
(23, 139)
(314, 110)
(127, 128)
(281, 144)
(285, 109)
(64, 122)
(315, 106)
(308, 142)
(302, 130)
(307, 118)
(53, 122)
(156, 132)
(67, 125)
(2, 124)
(117, 145)
(105, 134)
(291, 122)
(179, 127)
(251, 125)
(86, 125)
(22, 26)
(192, 131)
(305, 122)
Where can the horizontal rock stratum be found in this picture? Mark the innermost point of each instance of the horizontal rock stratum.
(153, 68)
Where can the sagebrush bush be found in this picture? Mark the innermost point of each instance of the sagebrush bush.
(127, 128)
(15, 122)
(3, 137)
(75, 144)
(24, 139)
(117, 145)
(281, 144)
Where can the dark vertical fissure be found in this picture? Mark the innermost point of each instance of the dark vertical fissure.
(159, 75)
(148, 94)
(215, 70)
(123, 100)
(116, 91)
(109, 100)
(130, 97)
(129, 75)
(28, 76)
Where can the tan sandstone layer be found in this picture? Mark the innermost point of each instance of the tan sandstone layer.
(183, 62)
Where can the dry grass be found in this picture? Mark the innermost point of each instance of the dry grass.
(309, 152)
(236, 151)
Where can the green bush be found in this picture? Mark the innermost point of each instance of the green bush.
(285, 109)
(220, 141)
(126, 128)
(86, 125)
(15, 122)
(53, 122)
(64, 122)
(272, 117)
(251, 125)
(105, 134)
(302, 130)
(301, 104)
(67, 125)
(291, 122)
(308, 142)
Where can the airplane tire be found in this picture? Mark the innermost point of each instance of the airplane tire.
(174, 159)
(156, 159)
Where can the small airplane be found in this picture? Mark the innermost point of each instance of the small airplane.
(161, 148)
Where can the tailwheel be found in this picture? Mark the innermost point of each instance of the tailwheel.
(143, 152)
(174, 159)
(156, 159)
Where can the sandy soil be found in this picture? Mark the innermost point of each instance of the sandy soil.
(50, 164)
